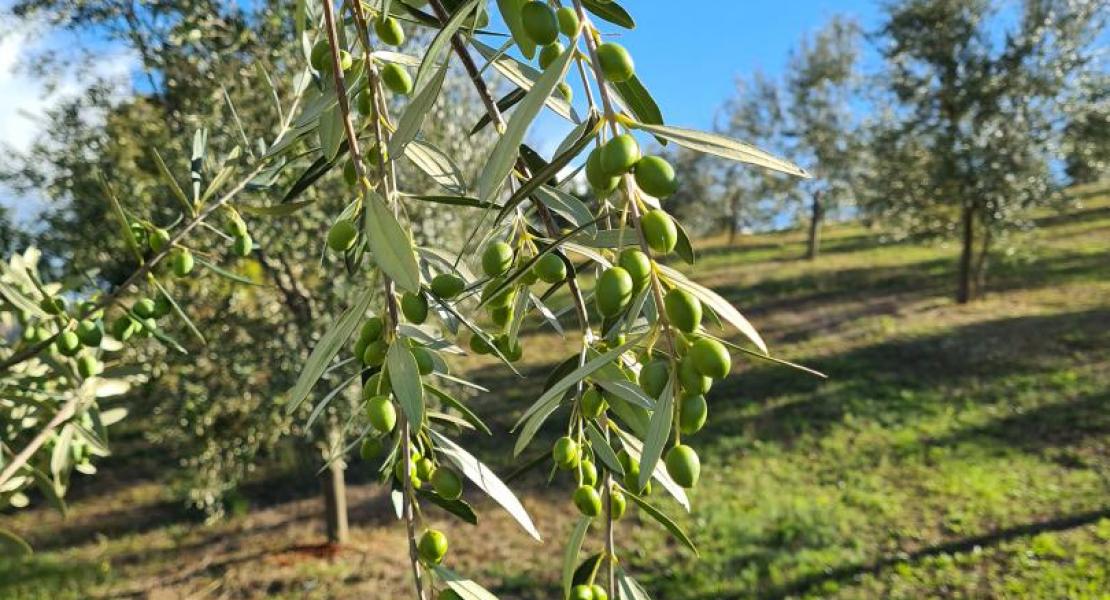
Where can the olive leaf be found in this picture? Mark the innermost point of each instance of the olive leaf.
(391, 244)
(436, 164)
(413, 118)
(404, 374)
(627, 589)
(719, 145)
(717, 304)
(603, 450)
(440, 43)
(525, 77)
(659, 431)
(462, 586)
(665, 521)
(570, 553)
(610, 11)
(326, 349)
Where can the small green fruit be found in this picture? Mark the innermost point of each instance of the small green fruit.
(397, 79)
(581, 592)
(350, 173)
(432, 546)
(568, 21)
(509, 348)
(446, 286)
(683, 466)
(593, 403)
(656, 176)
(550, 268)
(371, 448)
(372, 330)
(389, 31)
(549, 53)
(660, 231)
(601, 181)
(497, 259)
(503, 298)
(619, 154)
(654, 377)
(158, 239)
(588, 501)
(124, 327)
(589, 472)
(68, 343)
(479, 345)
(616, 63)
(565, 453)
(145, 308)
(53, 306)
(618, 504)
(365, 107)
(414, 307)
(691, 380)
(342, 236)
(162, 306)
(565, 91)
(183, 262)
(501, 315)
(540, 22)
(243, 245)
(320, 57)
(599, 592)
(692, 413)
(90, 333)
(382, 414)
(424, 362)
(374, 355)
(638, 266)
(683, 310)
(425, 468)
(447, 484)
(87, 365)
(710, 358)
(613, 291)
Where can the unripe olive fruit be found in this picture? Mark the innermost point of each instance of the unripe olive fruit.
(342, 236)
(446, 286)
(683, 310)
(162, 306)
(692, 413)
(501, 315)
(568, 21)
(589, 472)
(654, 376)
(68, 343)
(350, 174)
(601, 181)
(549, 53)
(87, 365)
(479, 346)
(371, 448)
(320, 57)
(710, 358)
(158, 239)
(425, 468)
(638, 266)
(90, 333)
(593, 403)
(123, 328)
(599, 592)
(618, 504)
(147, 327)
(619, 154)
(374, 355)
(565, 453)
(509, 348)
(503, 298)
(399, 472)
(53, 306)
(497, 258)
(432, 546)
(365, 108)
(659, 230)
(565, 91)
(182, 262)
(381, 413)
(692, 381)
(683, 466)
(616, 63)
(447, 484)
(581, 592)
(389, 31)
(414, 307)
(550, 268)
(587, 500)
(144, 307)
(540, 22)
(613, 291)
(376, 385)
(424, 362)
(396, 78)
(372, 329)
(243, 245)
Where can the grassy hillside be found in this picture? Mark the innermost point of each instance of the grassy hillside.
(954, 451)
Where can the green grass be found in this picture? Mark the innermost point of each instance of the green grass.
(954, 451)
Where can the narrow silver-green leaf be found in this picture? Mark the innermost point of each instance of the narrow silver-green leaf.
(438, 165)
(659, 431)
(717, 304)
(391, 244)
(326, 349)
(719, 145)
(462, 586)
(275, 210)
(13, 545)
(413, 118)
(441, 43)
(603, 450)
(570, 553)
(404, 375)
(525, 77)
(665, 521)
(635, 449)
(511, 13)
(331, 131)
(627, 589)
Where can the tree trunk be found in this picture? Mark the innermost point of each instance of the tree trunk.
(964, 291)
(979, 275)
(814, 246)
(335, 498)
(734, 219)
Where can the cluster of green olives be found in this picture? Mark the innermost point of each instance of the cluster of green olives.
(393, 76)
(70, 342)
(588, 592)
(543, 24)
(621, 155)
(569, 455)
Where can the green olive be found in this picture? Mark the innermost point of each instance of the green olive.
(619, 154)
(371, 448)
(90, 333)
(692, 381)
(540, 22)
(144, 307)
(376, 385)
(656, 176)
(68, 343)
(565, 453)
(510, 348)
(158, 239)
(638, 266)
(87, 365)
(616, 63)
(618, 504)
(446, 286)
(53, 306)
(692, 413)
(350, 174)
(320, 57)
(124, 327)
(243, 245)
(654, 377)
(479, 346)
(374, 355)
(389, 31)
(581, 592)
(382, 414)
(501, 315)
(414, 307)
(599, 592)
(182, 262)
(342, 235)
(503, 298)
(550, 268)
(397, 79)
(683, 310)
(372, 329)
(710, 358)
(425, 468)
(683, 466)
(589, 472)
(447, 483)
(424, 362)
(613, 291)
(497, 259)
(568, 21)
(432, 547)
(365, 107)
(549, 53)
(587, 500)
(593, 403)
(660, 231)
(601, 181)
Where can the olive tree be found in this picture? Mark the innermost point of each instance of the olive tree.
(631, 397)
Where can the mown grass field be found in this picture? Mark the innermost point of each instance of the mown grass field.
(954, 452)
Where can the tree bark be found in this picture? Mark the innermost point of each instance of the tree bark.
(335, 498)
(818, 213)
(734, 219)
(964, 291)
